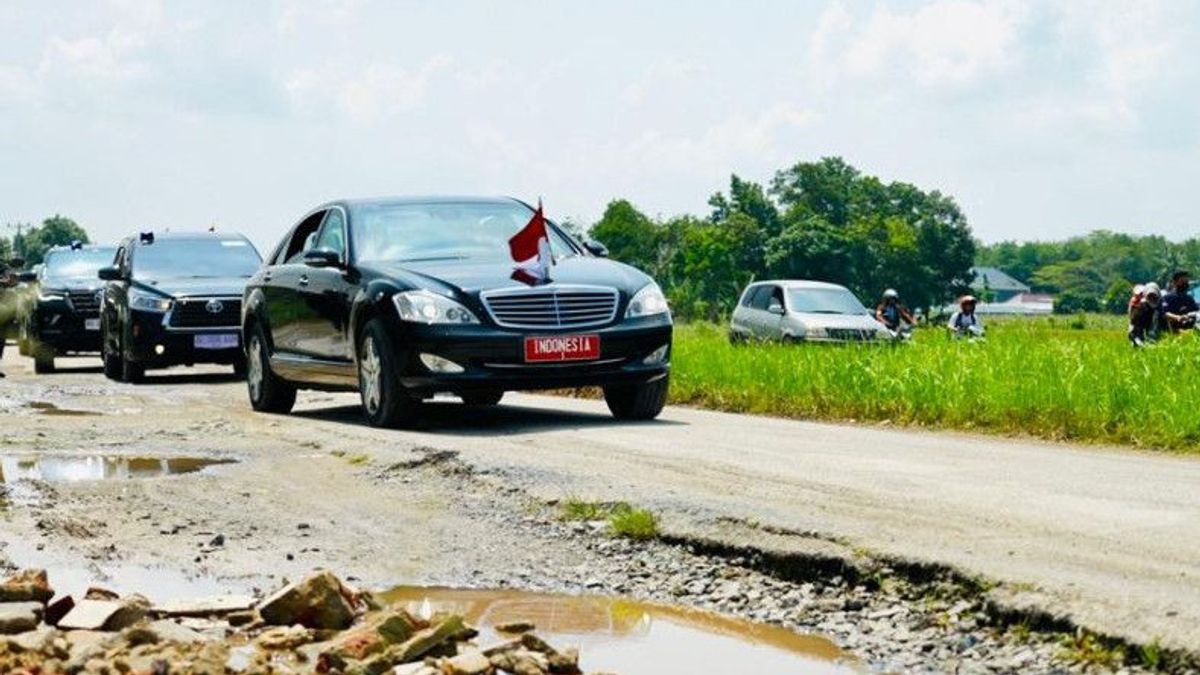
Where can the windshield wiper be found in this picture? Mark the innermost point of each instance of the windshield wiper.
(433, 258)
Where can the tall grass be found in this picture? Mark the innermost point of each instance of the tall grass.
(1073, 378)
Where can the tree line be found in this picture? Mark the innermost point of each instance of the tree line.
(31, 242)
(821, 220)
(1094, 272)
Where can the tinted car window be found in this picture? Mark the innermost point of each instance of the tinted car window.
(76, 264)
(195, 258)
(408, 232)
(825, 301)
(761, 297)
(302, 239)
(333, 233)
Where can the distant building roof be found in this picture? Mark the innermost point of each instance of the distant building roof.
(996, 279)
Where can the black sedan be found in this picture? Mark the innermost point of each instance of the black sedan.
(174, 299)
(404, 298)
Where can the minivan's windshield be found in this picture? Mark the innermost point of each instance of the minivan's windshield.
(195, 258)
(414, 232)
(824, 301)
(80, 264)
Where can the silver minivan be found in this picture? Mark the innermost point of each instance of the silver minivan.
(794, 311)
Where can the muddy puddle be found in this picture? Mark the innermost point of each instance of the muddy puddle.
(631, 637)
(72, 468)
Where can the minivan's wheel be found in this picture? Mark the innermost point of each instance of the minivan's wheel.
(268, 392)
(485, 397)
(642, 401)
(385, 402)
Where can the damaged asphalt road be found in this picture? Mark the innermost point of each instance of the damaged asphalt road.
(1109, 540)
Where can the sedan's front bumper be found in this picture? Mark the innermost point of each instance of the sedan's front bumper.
(494, 358)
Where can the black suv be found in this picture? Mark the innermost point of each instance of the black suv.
(174, 299)
(62, 312)
(401, 299)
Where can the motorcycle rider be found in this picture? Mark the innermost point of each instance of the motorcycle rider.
(893, 314)
(1178, 306)
(1143, 315)
(964, 322)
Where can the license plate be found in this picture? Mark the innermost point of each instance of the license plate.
(562, 348)
(91, 324)
(217, 341)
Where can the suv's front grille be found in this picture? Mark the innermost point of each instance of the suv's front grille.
(206, 313)
(851, 334)
(86, 303)
(552, 307)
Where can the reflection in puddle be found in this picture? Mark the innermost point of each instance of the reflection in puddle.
(47, 408)
(631, 637)
(70, 468)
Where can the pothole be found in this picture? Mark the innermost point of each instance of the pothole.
(629, 636)
(74, 468)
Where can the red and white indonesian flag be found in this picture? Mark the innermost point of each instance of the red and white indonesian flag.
(530, 249)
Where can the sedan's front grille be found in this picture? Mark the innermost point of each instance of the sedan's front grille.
(206, 313)
(86, 303)
(850, 334)
(552, 307)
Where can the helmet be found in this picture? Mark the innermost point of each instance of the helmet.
(1152, 294)
(967, 300)
(1139, 289)
(890, 294)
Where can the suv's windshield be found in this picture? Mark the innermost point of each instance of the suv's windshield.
(405, 232)
(195, 258)
(62, 266)
(824, 301)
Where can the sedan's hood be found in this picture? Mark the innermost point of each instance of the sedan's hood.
(199, 286)
(468, 277)
(835, 321)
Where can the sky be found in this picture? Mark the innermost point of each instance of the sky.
(1044, 119)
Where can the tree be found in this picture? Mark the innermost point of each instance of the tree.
(630, 236)
(33, 243)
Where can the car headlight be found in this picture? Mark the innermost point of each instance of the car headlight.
(815, 332)
(426, 307)
(148, 302)
(51, 296)
(649, 301)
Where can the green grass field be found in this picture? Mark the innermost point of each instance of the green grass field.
(1068, 378)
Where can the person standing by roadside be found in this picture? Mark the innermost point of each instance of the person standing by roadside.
(8, 304)
(1143, 315)
(1178, 306)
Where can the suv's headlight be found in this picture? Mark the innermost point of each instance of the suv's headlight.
(647, 302)
(148, 302)
(47, 295)
(426, 307)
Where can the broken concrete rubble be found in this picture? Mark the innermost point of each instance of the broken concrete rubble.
(29, 585)
(335, 629)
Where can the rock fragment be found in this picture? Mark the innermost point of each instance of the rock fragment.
(317, 601)
(29, 585)
(19, 617)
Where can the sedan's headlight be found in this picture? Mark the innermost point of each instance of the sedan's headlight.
(647, 302)
(148, 302)
(426, 307)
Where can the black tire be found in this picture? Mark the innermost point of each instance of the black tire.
(272, 394)
(481, 398)
(131, 371)
(240, 368)
(43, 360)
(642, 401)
(385, 403)
(736, 339)
(113, 368)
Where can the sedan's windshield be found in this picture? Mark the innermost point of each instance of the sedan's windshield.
(824, 301)
(195, 258)
(414, 232)
(80, 264)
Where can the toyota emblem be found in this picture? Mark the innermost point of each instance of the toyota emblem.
(214, 306)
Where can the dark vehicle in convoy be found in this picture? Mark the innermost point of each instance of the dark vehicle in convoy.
(60, 310)
(174, 299)
(404, 298)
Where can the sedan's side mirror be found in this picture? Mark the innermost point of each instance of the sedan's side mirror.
(775, 308)
(596, 248)
(322, 257)
(27, 277)
(109, 273)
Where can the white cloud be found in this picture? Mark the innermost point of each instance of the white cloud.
(661, 74)
(378, 90)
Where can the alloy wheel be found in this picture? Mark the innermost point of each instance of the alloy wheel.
(370, 373)
(254, 369)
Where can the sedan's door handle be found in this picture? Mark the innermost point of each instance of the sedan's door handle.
(266, 276)
(303, 280)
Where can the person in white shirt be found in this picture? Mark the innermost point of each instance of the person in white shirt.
(964, 322)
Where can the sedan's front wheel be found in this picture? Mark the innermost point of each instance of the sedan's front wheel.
(642, 401)
(268, 392)
(385, 402)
